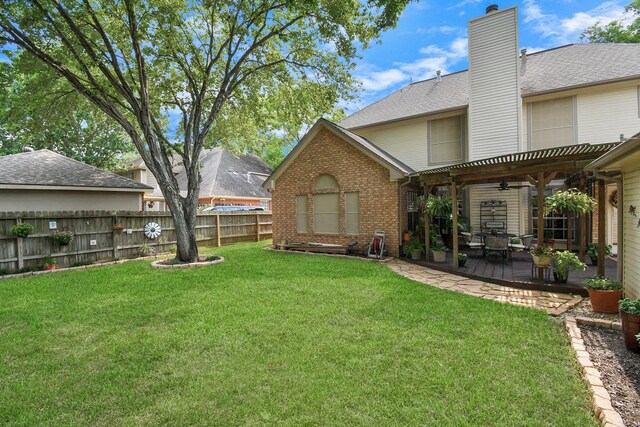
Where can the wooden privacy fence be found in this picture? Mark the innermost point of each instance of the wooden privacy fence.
(97, 237)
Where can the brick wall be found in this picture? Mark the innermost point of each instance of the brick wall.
(354, 171)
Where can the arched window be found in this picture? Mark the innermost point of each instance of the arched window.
(326, 206)
(325, 182)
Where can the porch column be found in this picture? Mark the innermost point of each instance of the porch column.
(620, 230)
(583, 225)
(601, 226)
(427, 227)
(540, 189)
(454, 226)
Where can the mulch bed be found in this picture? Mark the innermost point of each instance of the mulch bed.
(619, 368)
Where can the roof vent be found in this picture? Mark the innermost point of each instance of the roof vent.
(491, 8)
(27, 150)
(439, 75)
(523, 52)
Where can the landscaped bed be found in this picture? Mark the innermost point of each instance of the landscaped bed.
(276, 338)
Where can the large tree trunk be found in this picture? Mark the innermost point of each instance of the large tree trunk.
(184, 213)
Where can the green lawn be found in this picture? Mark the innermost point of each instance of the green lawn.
(270, 338)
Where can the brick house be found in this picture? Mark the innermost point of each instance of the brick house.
(336, 187)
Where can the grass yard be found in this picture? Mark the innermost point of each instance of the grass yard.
(270, 338)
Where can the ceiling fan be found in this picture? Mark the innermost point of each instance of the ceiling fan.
(504, 185)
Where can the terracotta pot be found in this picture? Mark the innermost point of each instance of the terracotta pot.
(604, 301)
(406, 236)
(630, 328)
(541, 261)
(51, 267)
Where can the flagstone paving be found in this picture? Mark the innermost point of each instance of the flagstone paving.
(555, 304)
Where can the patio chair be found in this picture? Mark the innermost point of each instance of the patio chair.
(499, 245)
(476, 243)
(464, 238)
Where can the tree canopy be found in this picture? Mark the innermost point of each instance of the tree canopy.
(178, 74)
(622, 31)
(39, 109)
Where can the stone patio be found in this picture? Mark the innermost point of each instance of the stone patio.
(554, 304)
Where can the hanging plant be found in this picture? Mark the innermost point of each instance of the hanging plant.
(22, 229)
(569, 201)
(62, 238)
(613, 199)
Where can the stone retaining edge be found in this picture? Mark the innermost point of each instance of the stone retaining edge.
(601, 402)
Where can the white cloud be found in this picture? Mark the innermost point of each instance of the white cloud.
(435, 58)
(567, 30)
(380, 80)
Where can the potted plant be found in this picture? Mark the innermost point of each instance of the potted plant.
(592, 251)
(542, 255)
(22, 229)
(604, 294)
(563, 263)
(630, 315)
(462, 259)
(49, 263)
(62, 237)
(406, 236)
(414, 248)
(439, 252)
(548, 239)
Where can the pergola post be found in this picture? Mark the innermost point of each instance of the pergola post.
(620, 231)
(540, 189)
(454, 226)
(583, 226)
(427, 227)
(601, 226)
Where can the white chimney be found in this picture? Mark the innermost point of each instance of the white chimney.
(495, 107)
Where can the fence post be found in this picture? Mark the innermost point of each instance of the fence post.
(218, 230)
(257, 227)
(19, 248)
(114, 221)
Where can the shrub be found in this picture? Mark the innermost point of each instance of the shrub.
(49, 261)
(600, 283)
(22, 230)
(62, 237)
(566, 261)
(413, 245)
(592, 250)
(630, 305)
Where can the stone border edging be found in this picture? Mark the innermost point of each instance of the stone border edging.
(272, 248)
(157, 264)
(80, 267)
(601, 399)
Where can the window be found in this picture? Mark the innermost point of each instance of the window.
(326, 213)
(352, 210)
(446, 140)
(555, 225)
(266, 204)
(301, 214)
(325, 182)
(552, 123)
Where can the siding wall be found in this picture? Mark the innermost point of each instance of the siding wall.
(631, 235)
(479, 193)
(406, 141)
(494, 81)
(37, 200)
(603, 114)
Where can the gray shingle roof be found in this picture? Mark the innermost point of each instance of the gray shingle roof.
(224, 174)
(546, 71)
(46, 168)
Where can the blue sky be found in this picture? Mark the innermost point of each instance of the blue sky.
(432, 35)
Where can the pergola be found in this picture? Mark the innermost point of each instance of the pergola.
(538, 168)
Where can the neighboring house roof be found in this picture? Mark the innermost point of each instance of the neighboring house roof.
(357, 141)
(553, 70)
(44, 168)
(223, 174)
